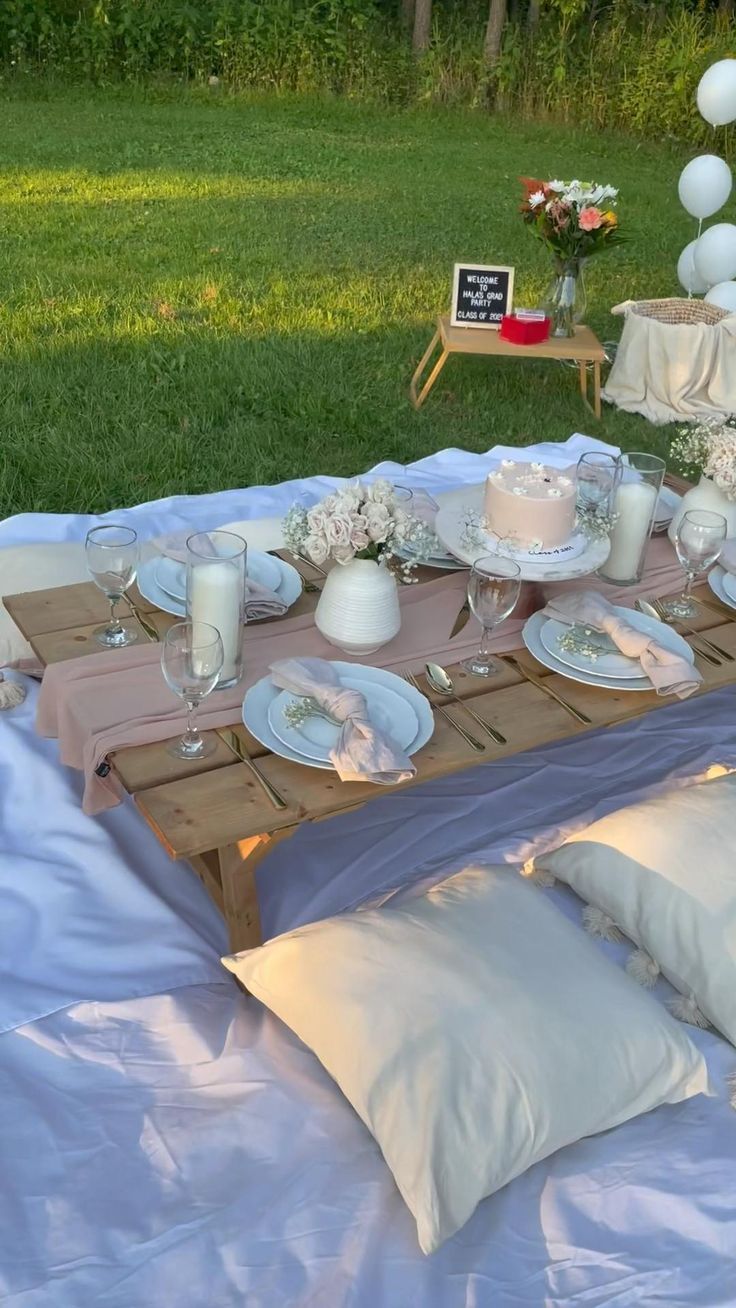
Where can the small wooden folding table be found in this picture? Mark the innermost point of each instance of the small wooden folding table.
(583, 348)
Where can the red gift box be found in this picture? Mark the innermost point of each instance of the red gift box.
(522, 330)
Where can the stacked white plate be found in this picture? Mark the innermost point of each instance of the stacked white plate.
(163, 581)
(609, 669)
(394, 707)
(723, 585)
(440, 560)
(667, 504)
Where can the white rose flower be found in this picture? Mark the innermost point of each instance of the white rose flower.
(381, 492)
(378, 522)
(359, 538)
(317, 520)
(350, 498)
(339, 527)
(343, 554)
(316, 548)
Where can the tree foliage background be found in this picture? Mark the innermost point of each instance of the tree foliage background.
(630, 64)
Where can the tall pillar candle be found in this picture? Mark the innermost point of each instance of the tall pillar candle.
(634, 507)
(216, 592)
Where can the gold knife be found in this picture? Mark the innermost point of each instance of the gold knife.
(147, 626)
(237, 747)
(461, 620)
(542, 685)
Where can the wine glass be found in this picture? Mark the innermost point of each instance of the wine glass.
(493, 589)
(598, 475)
(698, 540)
(112, 563)
(191, 661)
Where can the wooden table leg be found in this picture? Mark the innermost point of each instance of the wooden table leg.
(597, 389)
(237, 864)
(584, 381)
(418, 399)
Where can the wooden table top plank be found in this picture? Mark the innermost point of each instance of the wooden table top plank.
(584, 345)
(61, 608)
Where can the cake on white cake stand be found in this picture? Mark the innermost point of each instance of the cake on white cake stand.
(460, 528)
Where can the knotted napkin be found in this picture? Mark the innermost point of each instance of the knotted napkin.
(260, 601)
(669, 673)
(362, 752)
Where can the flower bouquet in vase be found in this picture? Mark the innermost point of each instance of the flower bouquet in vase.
(360, 528)
(707, 448)
(574, 220)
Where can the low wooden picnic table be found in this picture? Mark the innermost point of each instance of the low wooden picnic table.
(213, 812)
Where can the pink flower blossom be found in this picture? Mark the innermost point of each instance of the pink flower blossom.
(590, 219)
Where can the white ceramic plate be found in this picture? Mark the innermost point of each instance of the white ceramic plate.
(728, 582)
(259, 698)
(289, 588)
(613, 665)
(171, 576)
(667, 504)
(451, 524)
(716, 581)
(316, 738)
(532, 639)
(446, 561)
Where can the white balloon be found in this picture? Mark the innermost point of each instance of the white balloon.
(687, 274)
(724, 295)
(715, 254)
(717, 93)
(705, 185)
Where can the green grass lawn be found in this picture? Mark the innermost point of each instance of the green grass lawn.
(204, 294)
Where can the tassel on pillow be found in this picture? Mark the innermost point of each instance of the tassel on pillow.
(11, 694)
(642, 968)
(537, 875)
(685, 1009)
(599, 924)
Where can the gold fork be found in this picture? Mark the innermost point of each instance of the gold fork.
(147, 626)
(716, 654)
(438, 708)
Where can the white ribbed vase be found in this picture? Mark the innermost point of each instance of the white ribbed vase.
(706, 495)
(358, 609)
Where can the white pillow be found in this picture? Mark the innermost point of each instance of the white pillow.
(665, 871)
(475, 1031)
(34, 567)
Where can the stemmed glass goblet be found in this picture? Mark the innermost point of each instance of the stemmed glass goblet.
(112, 562)
(191, 661)
(493, 589)
(698, 541)
(598, 476)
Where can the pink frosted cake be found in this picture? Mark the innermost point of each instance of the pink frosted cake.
(530, 506)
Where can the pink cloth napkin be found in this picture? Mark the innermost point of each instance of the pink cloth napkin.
(669, 673)
(362, 752)
(260, 601)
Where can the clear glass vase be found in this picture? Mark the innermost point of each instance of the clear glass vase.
(216, 590)
(566, 301)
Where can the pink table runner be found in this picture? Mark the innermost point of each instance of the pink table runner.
(118, 698)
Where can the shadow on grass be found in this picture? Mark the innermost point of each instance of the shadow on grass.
(118, 421)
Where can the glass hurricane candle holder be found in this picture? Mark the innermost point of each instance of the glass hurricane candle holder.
(634, 506)
(216, 592)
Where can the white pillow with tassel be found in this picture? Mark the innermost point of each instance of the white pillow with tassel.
(475, 1031)
(663, 872)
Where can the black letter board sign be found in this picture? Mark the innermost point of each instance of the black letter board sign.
(481, 295)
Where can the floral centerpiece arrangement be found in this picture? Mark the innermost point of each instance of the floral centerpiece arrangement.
(360, 528)
(708, 448)
(574, 220)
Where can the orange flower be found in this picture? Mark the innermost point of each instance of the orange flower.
(609, 218)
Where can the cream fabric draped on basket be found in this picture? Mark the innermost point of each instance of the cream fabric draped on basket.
(676, 361)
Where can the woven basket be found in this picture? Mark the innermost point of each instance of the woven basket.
(675, 311)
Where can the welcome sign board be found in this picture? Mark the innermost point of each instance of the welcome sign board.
(481, 295)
